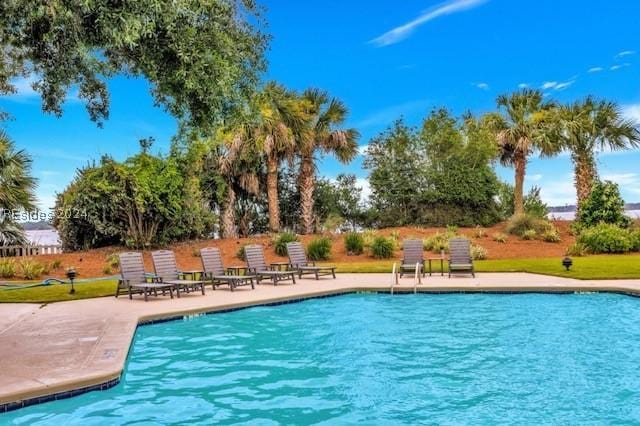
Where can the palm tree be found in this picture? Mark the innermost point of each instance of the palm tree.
(325, 116)
(586, 126)
(520, 130)
(281, 122)
(17, 188)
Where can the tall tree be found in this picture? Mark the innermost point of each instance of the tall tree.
(17, 188)
(326, 115)
(281, 122)
(586, 126)
(201, 57)
(520, 130)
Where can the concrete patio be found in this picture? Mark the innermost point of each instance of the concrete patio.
(53, 348)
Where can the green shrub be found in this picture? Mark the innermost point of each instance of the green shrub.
(576, 249)
(551, 236)
(56, 264)
(606, 238)
(31, 269)
(195, 252)
(499, 237)
(604, 205)
(280, 242)
(533, 204)
(635, 240)
(529, 234)
(107, 270)
(333, 222)
(7, 268)
(519, 224)
(382, 248)
(240, 253)
(395, 238)
(353, 243)
(478, 252)
(439, 241)
(368, 235)
(112, 260)
(452, 230)
(319, 249)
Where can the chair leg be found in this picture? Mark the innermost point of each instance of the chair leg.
(170, 292)
(202, 288)
(333, 272)
(293, 277)
(146, 298)
(317, 276)
(178, 291)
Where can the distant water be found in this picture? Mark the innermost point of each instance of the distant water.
(635, 214)
(44, 237)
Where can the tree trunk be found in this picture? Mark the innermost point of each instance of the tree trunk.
(518, 195)
(272, 194)
(229, 229)
(307, 186)
(585, 175)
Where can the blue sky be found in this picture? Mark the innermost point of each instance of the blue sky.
(384, 61)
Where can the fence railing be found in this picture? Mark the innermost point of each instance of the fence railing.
(29, 250)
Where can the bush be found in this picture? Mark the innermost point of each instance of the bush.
(280, 242)
(112, 260)
(395, 238)
(576, 249)
(368, 235)
(333, 222)
(382, 248)
(499, 237)
(606, 238)
(7, 268)
(107, 270)
(529, 234)
(240, 253)
(319, 249)
(195, 252)
(480, 232)
(604, 205)
(353, 243)
(551, 236)
(533, 204)
(478, 252)
(635, 240)
(31, 269)
(519, 224)
(56, 264)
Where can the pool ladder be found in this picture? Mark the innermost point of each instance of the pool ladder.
(417, 278)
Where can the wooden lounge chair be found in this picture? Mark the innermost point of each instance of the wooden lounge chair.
(257, 266)
(298, 262)
(166, 269)
(214, 272)
(412, 253)
(133, 279)
(460, 260)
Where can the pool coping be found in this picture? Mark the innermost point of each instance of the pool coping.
(102, 379)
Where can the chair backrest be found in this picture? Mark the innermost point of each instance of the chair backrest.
(132, 267)
(459, 250)
(412, 252)
(297, 257)
(255, 257)
(164, 264)
(212, 261)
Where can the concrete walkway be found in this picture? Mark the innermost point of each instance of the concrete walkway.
(65, 346)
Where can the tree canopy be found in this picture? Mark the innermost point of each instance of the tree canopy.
(201, 57)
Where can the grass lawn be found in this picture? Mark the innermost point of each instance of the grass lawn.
(584, 268)
(591, 267)
(59, 292)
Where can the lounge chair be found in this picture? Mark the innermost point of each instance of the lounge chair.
(214, 272)
(298, 262)
(166, 269)
(135, 280)
(257, 266)
(460, 260)
(412, 253)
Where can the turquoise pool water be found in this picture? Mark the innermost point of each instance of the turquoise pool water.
(379, 359)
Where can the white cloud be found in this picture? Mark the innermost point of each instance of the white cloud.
(549, 85)
(403, 31)
(523, 85)
(562, 86)
(366, 189)
(631, 112)
(557, 85)
(534, 178)
(618, 66)
(560, 193)
(481, 86)
(622, 178)
(625, 53)
(362, 149)
(49, 173)
(595, 69)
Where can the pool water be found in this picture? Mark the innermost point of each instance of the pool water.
(379, 359)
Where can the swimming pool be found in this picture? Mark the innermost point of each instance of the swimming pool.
(379, 359)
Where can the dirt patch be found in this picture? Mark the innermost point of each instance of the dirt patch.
(92, 263)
